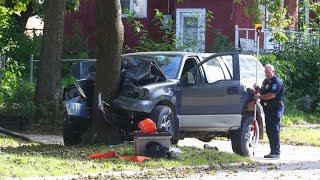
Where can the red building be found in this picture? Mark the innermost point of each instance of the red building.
(187, 15)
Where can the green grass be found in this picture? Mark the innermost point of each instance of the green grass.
(298, 117)
(294, 116)
(30, 160)
(298, 136)
(301, 136)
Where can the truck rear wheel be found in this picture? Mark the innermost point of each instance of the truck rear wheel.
(164, 118)
(243, 139)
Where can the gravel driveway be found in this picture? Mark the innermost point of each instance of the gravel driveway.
(296, 162)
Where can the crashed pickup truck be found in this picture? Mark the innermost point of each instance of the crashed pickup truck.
(188, 94)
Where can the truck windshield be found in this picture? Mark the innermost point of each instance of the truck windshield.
(168, 64)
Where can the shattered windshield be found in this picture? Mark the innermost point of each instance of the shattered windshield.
(168, 64)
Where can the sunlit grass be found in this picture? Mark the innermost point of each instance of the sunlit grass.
(298, 136)
(32, 160)
(301, 136)
(297, 117)
(293, 116)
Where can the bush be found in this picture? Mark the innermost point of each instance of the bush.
(15, 93)
(20, 102)
(222, 43)
(298, 66)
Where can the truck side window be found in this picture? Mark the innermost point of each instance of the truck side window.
(213, 71)
(188, 65)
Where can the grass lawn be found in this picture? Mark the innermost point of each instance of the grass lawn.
(20, 159)
(300, 136)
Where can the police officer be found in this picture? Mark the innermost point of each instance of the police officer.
(271, 95)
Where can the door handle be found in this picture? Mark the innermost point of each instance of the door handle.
(232, 90)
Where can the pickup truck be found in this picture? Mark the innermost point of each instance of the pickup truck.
(197, 95)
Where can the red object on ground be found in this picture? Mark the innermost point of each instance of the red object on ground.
(114, 154)
(134, 158)
(103, 155)
(147, 126)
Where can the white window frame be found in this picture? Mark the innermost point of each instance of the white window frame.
(201, 21)
(144, 13)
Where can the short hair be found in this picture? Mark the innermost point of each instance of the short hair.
(269, 66)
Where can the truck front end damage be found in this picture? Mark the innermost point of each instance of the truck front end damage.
(140, 79)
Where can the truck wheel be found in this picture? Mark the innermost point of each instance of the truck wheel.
(164, 118)
(71, 136)
(243, 140)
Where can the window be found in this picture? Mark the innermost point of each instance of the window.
(139, 7)
(190, 25)
(213, 71)
(168, 64)
(188, 65)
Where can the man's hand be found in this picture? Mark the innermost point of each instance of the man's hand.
(256, 96)
(256, 87)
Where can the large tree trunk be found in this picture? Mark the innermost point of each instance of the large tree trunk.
(109, 47)
(48, 87)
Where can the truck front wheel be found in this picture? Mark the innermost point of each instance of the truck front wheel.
(164, 118)
(243, 139)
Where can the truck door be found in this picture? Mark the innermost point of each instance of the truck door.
(213, 103)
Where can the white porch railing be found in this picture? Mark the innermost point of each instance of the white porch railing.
(246, 39)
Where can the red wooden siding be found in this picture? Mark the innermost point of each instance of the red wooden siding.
(226, 16)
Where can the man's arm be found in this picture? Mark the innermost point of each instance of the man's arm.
(267, 96)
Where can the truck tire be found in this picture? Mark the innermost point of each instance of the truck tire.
(164, 118)
(71, 136)
(242, 140)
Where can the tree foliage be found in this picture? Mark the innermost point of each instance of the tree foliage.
(298, 66)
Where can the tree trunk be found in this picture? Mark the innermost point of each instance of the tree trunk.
(109, 48)
(48, 88)
(13, 134)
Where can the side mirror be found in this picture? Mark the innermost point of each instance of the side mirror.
(190, 78)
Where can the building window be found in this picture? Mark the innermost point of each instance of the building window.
(139, 7)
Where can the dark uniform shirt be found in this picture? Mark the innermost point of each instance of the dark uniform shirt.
(274, 85)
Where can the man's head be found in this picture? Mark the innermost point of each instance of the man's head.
(269, 71)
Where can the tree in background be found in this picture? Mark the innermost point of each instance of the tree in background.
(48, 87)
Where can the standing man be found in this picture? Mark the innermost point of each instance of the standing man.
(271, 95)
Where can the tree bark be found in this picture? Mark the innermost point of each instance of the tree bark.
(48, 87)
(109, 48)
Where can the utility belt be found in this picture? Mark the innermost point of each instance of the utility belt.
(271, 105)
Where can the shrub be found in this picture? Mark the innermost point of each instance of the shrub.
(15, 93)
(298, 66)
(222, 43)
